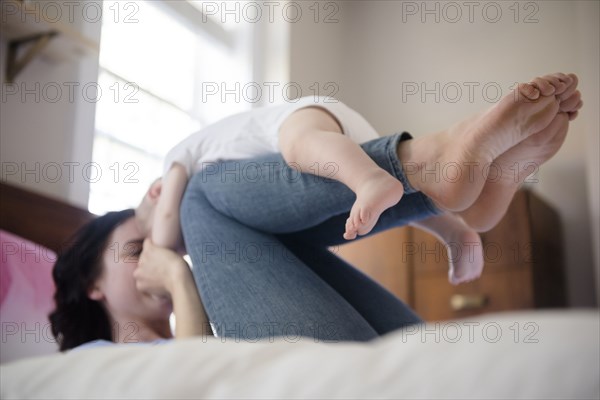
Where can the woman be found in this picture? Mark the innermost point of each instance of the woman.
(96, 295)
(259, 242)
(253, 284)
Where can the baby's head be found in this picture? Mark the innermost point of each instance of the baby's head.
(144, 213)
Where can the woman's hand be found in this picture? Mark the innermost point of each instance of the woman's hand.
(159, 269)
(163, 272)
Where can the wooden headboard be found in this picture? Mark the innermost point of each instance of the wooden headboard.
(38, 218)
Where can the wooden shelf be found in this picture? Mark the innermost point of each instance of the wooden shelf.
(24, 24)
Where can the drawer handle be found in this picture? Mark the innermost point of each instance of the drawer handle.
(460, 302)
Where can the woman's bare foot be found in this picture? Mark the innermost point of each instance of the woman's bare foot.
(463, 246)
(512, 167)
(375, 194)
(451, 166)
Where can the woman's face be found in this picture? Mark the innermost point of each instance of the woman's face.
(116, 287)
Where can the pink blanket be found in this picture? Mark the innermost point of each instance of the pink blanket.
(26, 290)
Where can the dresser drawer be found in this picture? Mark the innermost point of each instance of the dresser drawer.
(497, 290)
(430, 255)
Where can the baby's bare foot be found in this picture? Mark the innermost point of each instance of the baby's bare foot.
(451, 166)
(378, 192)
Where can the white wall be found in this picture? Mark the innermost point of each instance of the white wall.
(373, 51)
(38, 133)
(589, 56)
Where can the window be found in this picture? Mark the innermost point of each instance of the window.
(156, 58)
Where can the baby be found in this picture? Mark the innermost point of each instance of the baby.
(307, 139)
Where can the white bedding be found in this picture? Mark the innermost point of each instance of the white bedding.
(489, 360)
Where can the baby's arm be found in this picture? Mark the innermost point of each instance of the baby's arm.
(166, 229)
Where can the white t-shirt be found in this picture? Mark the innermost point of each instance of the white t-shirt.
(256, 132)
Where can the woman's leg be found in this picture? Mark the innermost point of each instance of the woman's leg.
(380, 308)
(265, 193)
(253, 287)
(413, 207)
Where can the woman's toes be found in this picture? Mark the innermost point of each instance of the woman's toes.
(575, 112)
(544, 85)
(559, 85)
(570, 90)
(529, 90)
(573, 115)
(574, 79)
(571, 103)
(566, 79)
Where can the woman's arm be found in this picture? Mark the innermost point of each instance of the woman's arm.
(190, 317)
(161, 271)
(166, 230)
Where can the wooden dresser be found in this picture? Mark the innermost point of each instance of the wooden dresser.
(523, 265)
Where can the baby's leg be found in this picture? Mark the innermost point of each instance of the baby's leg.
(463, 244)
(311, 140)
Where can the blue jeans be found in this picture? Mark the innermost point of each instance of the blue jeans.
(258, 233)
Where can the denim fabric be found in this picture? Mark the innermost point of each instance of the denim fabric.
(267, 194)
(253, 287)
(257, 232)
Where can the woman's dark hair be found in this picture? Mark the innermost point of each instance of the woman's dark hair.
(77, 319)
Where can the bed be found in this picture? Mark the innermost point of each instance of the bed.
(531, 354)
